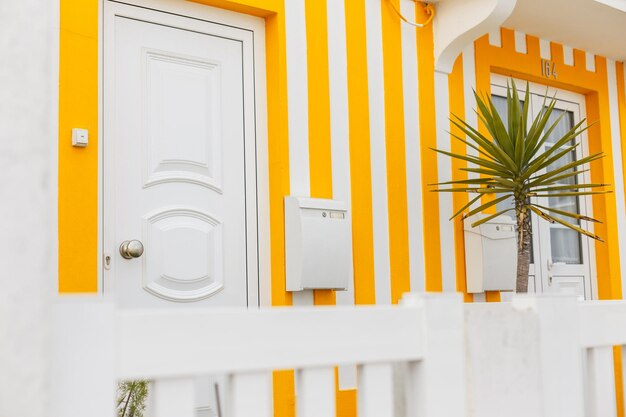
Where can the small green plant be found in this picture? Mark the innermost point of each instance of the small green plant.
(131, 398)
(514, 162)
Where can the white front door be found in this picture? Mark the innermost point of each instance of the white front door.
(180, 161)
(561, 260)
(563, 257)
(179, 120)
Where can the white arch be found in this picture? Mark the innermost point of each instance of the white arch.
(458, 23)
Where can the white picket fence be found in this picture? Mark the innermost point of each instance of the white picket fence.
(525, 358)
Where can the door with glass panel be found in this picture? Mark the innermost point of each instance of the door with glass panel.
(560, 257)
(564, 253)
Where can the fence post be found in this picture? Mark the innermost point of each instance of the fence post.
(83, 359)
(29, 31)
(435, 386)
(560, 354)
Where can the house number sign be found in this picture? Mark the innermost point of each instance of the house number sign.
(548, 69)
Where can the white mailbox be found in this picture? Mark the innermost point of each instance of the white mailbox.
(490, 254)
(318, 242)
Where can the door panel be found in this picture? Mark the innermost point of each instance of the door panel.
(182, 119)
(179, 179)
(570, 285)
(186, 261)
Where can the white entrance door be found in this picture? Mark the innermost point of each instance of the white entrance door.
(563, 253)
(179, 162)
(179, 155)
(179, 121)
(560, 258)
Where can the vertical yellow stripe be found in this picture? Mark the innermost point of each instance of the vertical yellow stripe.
(360, 169)
(279, 151)
(396, 158)
(345, 400)
(609, 276)
(457, 108)
(621, 100)
(78, 167)
(483, 86)
(284, 397)
(319, 112)
(617, 352)
(360, 172)
(346, 403)
(320, 162)
(619, 384)
(428, 140)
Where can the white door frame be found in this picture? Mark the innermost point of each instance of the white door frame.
(573, 102)
(188, 15)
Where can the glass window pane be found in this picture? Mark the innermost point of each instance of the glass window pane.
(500, 103)
(565, 245)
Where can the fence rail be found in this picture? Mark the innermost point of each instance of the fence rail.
(430, 356)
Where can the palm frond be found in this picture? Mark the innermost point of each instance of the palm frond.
(466, 206)
(566, 187)
(566, 224)
(485, 206)
(576, 216)
(491, 217)
(518, 159)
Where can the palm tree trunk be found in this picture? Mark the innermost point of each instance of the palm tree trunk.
(130, 394)
(523, 249)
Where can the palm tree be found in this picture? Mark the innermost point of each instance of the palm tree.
(131, 398)
(514, 163)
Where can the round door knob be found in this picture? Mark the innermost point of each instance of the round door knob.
(130, 249)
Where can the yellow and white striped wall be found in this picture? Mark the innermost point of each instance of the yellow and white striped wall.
(354, 106)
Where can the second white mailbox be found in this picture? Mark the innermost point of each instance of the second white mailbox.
(318, 244)
(490, 254)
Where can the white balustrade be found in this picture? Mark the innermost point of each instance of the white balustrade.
(96, 345)
(539, 356)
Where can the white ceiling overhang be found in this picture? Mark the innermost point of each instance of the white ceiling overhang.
(595, 26)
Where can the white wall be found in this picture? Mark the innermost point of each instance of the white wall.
(28, 102)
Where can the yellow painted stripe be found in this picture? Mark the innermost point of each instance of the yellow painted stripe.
(483, 86)
(283, 381)
(457, 107)
(621, 110)
(345, 400)
(360, 169)
(620, 72)
(396, 158)
(320, 158)
(319, 112)
(608, 262)
(261, 8)
(346, 403)
(78, 167)
(278, 151)
(428, 140)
